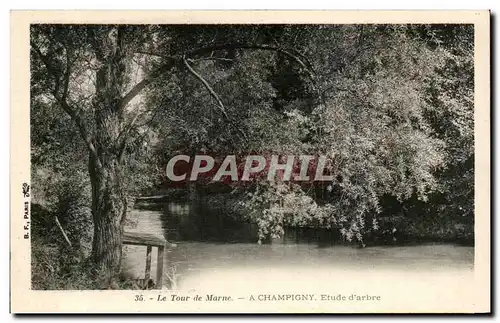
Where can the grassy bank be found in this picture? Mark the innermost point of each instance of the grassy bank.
(57, 265)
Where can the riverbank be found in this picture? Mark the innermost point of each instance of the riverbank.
(201, 254)
(217, 217)
(58, 265)
(201, 265)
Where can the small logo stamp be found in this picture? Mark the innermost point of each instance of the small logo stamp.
(26, 190)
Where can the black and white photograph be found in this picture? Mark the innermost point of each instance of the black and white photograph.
(288, 167)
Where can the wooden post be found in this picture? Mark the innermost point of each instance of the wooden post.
(159, 267)
(148, 264)
(149, 240)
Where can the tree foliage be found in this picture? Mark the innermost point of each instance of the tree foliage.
(382, 103)
(390, 105)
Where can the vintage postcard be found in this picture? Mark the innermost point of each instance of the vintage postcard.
(250, 162)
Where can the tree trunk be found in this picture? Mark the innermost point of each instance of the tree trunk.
(109, 206)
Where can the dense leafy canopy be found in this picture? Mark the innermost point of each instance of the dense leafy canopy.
(390, 105)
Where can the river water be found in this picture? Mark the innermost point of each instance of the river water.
(224, 256)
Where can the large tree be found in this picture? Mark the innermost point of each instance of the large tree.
(356, 93)
(95, 73)
(364, 103)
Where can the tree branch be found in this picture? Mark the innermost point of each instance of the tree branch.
(73, 113)
(145, 82)
(155, 113)
(208, 87)
(214, 95)
(75, 116)
(66, 77)
(223, 59)
(133, 93)
(292, 53)
(123, 137)
(153, 53)
(62, 231)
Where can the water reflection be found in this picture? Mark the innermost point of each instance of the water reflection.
(212, 247)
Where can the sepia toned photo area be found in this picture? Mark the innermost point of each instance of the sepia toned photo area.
(251, 157)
